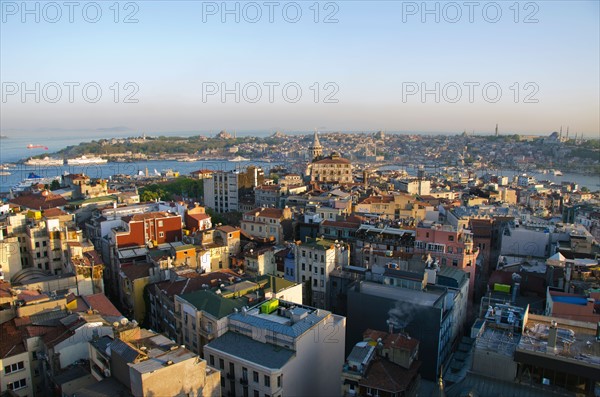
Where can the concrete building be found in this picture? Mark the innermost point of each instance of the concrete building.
(280, 349)
(421, 187)
(407, 302)
(397, 206)
(315, 260)
(269, 196)
(202, 316)
(149, 364)
(449, 247)
(267, 224)
(223, 191)
(15, 365)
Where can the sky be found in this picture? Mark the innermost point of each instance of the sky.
(157, 66)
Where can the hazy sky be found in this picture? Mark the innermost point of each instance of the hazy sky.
(369, 66)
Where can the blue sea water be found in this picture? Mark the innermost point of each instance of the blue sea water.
(14, 149)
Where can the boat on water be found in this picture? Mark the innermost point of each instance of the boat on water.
(557, 173)
(6, 166)
(31, 146)
(31, 179)
(4, 173)
(239, 158)
(84, 160)
(187, 160)
(45, 162)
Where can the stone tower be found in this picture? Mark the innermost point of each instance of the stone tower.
(315, 151)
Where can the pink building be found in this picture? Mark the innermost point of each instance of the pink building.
(449, 247)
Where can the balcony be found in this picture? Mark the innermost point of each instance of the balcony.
(244, 381)
(230, 376)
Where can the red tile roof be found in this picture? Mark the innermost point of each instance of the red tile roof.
(387, 376)
(136, 271)
(102, 304)
(11, 340)
(54, 212)
(39, 201)
(266, 212)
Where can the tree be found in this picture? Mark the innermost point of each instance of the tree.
(55, 185)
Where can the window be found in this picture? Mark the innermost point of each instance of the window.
(222, 382)
(256, 393)
(14, 367)
(322, 271)
(160, 223)
(212, 360)
(454, 262)
(37, 244)
(449, 249)
(279, 380)
(161, 234)
(43, 243)
(221, 363)
(21, 383)
(255, 376)
(303, 266)
(267, 381)
(450, 238)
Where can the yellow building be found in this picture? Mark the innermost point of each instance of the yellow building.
(331, 169)
(397, 206)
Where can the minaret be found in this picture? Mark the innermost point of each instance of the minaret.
(567, 133)
(315, 150)
(496, 129)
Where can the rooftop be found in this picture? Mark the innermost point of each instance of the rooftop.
(576, 342)
(305, 318)
(169, 357)
(421, 298)
(214, 304)
(246, 348)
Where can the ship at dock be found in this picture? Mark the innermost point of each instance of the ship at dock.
(84, 160)
(44, 162)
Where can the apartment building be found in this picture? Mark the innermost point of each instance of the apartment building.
(148, 364)
(201, 316)
(314, 261)
(267, 224)
(279, 348)
(224, 190)
(449, 246)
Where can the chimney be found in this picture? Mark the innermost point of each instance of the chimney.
(515, 292)
(552, 335)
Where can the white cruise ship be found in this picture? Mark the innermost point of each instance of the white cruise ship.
(45, 162)
(83, 160)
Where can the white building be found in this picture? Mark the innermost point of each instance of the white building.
(418, 186)
(221, 191)
(315, 260)
(280, 349)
